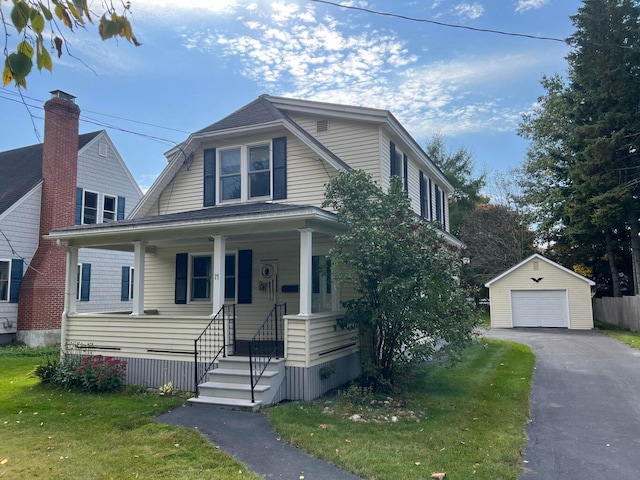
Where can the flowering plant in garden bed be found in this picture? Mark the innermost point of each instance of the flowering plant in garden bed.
(97, 373)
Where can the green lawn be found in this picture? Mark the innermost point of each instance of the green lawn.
(52, 434)
(625, 336)
(467, 420)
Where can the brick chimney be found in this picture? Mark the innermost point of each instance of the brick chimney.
(42, 291)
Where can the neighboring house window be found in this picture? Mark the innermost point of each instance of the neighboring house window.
(321, 284)
(245, 173)
(126, 290)
(89, 208)
(201, 277)
(5, 270)
(93, 207)
(109, 210)
(425, 196)
(83, 282)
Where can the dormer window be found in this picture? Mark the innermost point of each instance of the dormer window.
(245, 173)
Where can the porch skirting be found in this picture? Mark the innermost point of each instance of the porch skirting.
(306, 383)
(153, 373)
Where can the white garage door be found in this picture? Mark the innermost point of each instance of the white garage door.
(539, 308)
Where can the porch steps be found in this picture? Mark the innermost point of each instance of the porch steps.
(229, 385)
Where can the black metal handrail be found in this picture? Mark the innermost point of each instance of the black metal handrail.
(266, 344)
(212, 341)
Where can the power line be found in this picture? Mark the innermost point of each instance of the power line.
(442, 24)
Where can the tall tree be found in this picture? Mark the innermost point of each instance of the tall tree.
(583, 163)
(459, 168)
(36, 20)
(409, 302)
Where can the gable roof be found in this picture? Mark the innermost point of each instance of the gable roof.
(21, 170)
(259, 111)
(537, 256)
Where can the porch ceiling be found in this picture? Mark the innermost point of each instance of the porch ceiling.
(256, 221)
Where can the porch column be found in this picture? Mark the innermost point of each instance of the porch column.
(71, 281)
(139, 249)
(306, 251)
(217, 285)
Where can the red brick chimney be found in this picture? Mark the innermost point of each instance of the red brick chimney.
(42, 291)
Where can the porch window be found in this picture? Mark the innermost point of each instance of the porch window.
(201, 277)
(83, 279)
(321, 284)
(244, 173)
(4, 280)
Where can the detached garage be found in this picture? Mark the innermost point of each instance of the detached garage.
(540, 293)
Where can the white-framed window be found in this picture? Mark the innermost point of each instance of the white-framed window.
(200, 277)
(83, 282)
(321, 288)
(89, 207)
(244, 172)
(398, 164)
(109, 208)
(5, 276)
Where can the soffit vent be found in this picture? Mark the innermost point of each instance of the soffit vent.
(322, 125)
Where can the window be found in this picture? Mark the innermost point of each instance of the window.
(109, 208)
(245, 173)
(126, 289)
(102, 149)
(90, 208)
(425, 196)
(321, 284)
(399, 163)
(83, 282)
(201, 277)
(5, 270)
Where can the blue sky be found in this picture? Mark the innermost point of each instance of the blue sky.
(203, 59)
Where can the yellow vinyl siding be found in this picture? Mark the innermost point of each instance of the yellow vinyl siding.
(553, 278)
(307, 175)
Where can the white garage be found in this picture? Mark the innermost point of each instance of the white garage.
(540, 293)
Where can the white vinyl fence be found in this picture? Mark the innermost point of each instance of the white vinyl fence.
(621, 311)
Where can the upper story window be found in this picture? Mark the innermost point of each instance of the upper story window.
(94, 207)
(399, 164)
(244, 173)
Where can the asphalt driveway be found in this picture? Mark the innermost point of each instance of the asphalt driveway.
(585, 406)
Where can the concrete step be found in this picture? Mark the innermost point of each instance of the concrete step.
(230, 403)
(242, 363)
(231, 390)
(233, 375)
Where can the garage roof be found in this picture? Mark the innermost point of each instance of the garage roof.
(539, 257)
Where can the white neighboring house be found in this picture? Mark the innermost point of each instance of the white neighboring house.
(231, 232)
(99, 190)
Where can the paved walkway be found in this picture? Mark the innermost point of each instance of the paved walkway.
(249, 438)
(585, 406)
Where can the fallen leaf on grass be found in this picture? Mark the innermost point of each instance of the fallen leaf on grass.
(347, 440)
(439, 475)
(323, 426)
(4, 461)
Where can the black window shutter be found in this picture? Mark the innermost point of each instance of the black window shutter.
(182, 267)
(430, 200)
(438, 205)
(16, 279)
(392, 158)
(124, 288)
(444, 210)
(423, 205)
(279, 146)
(120, 208)
(78, 206)
(85, 282)
(245, 265)
(405, 172)
(209, 177)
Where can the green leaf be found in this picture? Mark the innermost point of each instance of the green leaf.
(20, 65)
(108, 28)
(46, 12)
(20, 15)
(44, 59)
(37, 23)
(26, 48)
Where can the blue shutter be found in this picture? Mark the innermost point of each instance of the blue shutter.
(279, 147)
(209, 177)
(78, 206)
(444, 210)
(182, 267)
(16, 279)
(430, 200)
(124, 288)
(423, 207)
(392, 158)
(120, 208)
(85, 282)
(405, 172)
(245, 264)
(438, 205)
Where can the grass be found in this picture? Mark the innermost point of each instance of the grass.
(53, 434)
(467, 420)
(485, 319)
(625, 336)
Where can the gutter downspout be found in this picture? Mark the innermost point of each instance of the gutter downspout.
(69, 303)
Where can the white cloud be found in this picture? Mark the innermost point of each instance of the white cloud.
(468, 10)
(524, 5)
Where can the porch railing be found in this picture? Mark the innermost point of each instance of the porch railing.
(213, 341)
(266, 344)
